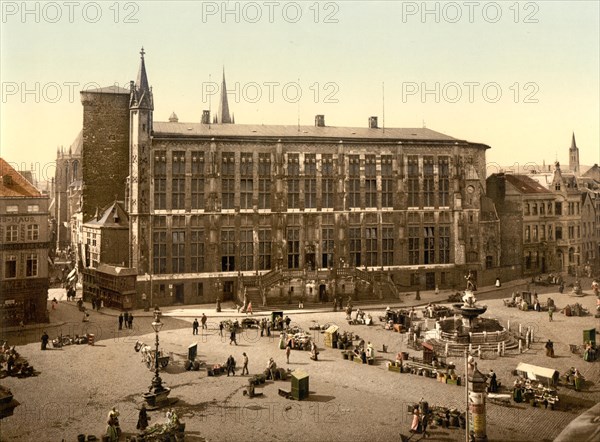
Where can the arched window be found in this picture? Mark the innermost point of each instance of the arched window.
(75, 170)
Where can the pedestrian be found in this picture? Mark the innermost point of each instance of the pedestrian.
(143, 419)
(203, 321)
(126, 318)
(249, 308)
(577, 380)
(230, 364)
(93, 302)
(493, 382)
(195, 326)
(550, 311)
(414, 427)
(262, 327)
(221, 328)
(45, 339)
(549, 348)
(121, 321)
(130, 321)
(269, 324)
(245, 367)
(232, 337)
(424, 422)
(288, 350)
(113, 422)
(21, 327)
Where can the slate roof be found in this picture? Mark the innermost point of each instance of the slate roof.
(199, 130)
(20, 187)
(107, 216)
(525, 184)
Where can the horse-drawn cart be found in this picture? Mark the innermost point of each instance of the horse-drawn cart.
(149, 356)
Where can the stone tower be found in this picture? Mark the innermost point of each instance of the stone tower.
(574, 157)
(105, 147)
(141, 106)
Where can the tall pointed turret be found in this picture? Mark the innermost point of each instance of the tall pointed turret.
(141, 92)
(223, 116)
(574, 157)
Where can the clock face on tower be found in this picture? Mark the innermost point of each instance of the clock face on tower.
(470, 189)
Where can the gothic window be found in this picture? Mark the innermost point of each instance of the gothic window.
(444, 181)
(355, 246)
(160, 252)
(428, 182)
(293, 172)
(327, 247)
(246, 250)
(264, 249)
(413, 245)
(413, 181)
(429, 245)
(197, 250)
(444, 243)
(371, 246)
(264, 181)
(387, 246)
(387, 195)
(178, 251)
(227, 250)
(293, 247)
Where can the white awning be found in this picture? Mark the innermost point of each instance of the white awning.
(535, 372)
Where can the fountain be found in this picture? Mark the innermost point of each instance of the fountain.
(467, 330)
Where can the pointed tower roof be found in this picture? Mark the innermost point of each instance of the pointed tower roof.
(573, 143)
(223, 116)
(141, 92)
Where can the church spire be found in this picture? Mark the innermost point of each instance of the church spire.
(574, 156)
(223, 116)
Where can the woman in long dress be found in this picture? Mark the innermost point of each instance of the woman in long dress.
(415, 421)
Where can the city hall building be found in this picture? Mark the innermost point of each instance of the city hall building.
(218, 210)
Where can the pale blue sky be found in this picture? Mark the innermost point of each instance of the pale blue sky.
(554, 61)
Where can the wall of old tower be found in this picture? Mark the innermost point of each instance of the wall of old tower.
(105, 148)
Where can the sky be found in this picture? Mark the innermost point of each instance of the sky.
(520, 77)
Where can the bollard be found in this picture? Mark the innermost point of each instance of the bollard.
(520, 346)
(520, 329)
(499, 349)
(508, 325)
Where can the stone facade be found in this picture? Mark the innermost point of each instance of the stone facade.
(24, 230)
(105, 151)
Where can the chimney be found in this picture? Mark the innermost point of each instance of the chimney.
(320, 120)
(372, 122)
(7, 180)
(205, 117)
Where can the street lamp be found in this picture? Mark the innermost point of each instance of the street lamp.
(156, 386)
(157, 394)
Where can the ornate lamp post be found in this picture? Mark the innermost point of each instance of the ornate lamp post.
(156, 386)
(157, 392)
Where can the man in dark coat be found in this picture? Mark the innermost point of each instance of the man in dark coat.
(230, 365)
(493, 382)
(126, 319)
(45, 339)
(195, 327)
(143, 419)
(121, 321)
(130, 321)
(232, 337)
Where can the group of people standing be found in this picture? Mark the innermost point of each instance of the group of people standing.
(126, 319)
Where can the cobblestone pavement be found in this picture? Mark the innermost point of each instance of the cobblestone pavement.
(79, 384)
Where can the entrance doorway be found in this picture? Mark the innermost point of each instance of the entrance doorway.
(323, 293)
(227, 290)
(179, 298)
(430, 281)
